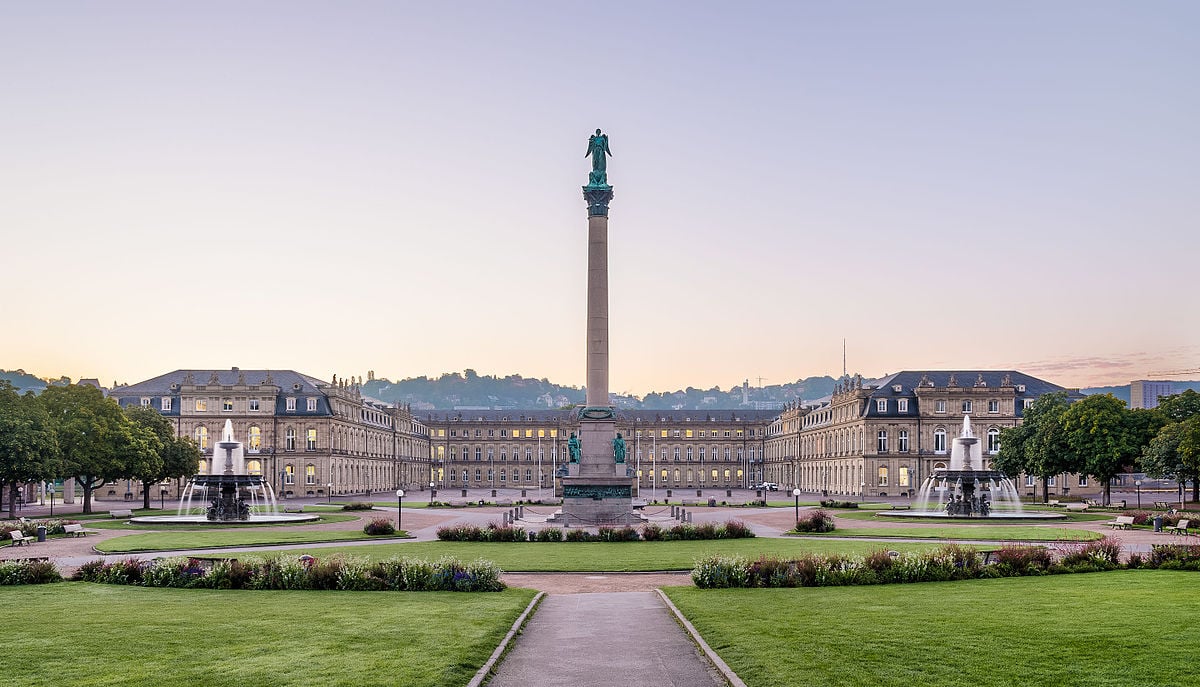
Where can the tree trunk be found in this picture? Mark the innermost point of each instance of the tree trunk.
(87, 493)
(1107, 492)
(1195, 489)
(146, 495)
(1045, 490)
(12, 501)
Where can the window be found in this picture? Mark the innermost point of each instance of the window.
(201, 435)
(166, 403)
(201, 405)
(939, 440)
(689, 454)
(504, 433)
(966, 406)
(310, 440)
(883, 476)
(310, 404)
(291, 405)
(993, 440)
(881, 405)
(940, 407)
(1029, 482)
(1083, 480)
(289, 474)
(253, 467)
(478, 454)
(478, 474)
(993, 406)
(1051, 482)
(310, 474)
(503, 475)
(677, 454)
(902, 405)
(882, 441)
(202, 467)
(289, 439)
(903, 443)
(904, 480)
(689, 434)
(145, 402)
(253, 405)
(255, 439)
(226, 405)
(1027, 403)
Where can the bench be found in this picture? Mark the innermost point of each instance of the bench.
(1123, 522)
(693, 502)
(19, 539)
(900, 507)
(1077, 506)
(1162, 505)
(120, 513)
(1053, 502)
(75, 530)
(1180, 528)
(639, 504)
(293, 509)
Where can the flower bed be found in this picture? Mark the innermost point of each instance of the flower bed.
(28, 572)
(305, 573)
(29, 527)
(494, 532)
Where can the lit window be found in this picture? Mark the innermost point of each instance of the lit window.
(202, 467)
(253, 405)
(291, 404)
(883, 476)
(289, 474)
(201, 435)
(689, 434)
(255, 442)
(993, 406)
(882, 441)
(939, 440)
(201, 405)
(310, 474)
(227, 405)
(310, 404)
(904, 477)
(253, 467)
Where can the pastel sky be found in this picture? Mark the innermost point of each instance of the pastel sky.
(395, 186)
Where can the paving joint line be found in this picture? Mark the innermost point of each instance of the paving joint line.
(486, 669)
(717, 662)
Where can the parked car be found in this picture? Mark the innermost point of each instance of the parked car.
(768, 486)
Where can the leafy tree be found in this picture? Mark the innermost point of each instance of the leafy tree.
(1174, 453)
(1038, 446)
(1180, 407)
(28, 448)
(1106, 436)
(98, 442)
(176, 456)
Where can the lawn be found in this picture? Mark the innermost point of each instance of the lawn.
(235, 638)
(1034, 632)
(607, 557)
(968, 532)
(210, 538)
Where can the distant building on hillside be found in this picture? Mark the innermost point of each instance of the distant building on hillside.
(1145, 394)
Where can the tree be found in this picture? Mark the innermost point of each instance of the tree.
(1180, 407)
(175, 456)
(1106, 436)
(1038, 446)
(1174, 453)
(28, 448)
(98, 442)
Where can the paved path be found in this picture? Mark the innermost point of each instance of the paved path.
(631, 640)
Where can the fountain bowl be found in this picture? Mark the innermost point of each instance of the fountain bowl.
(991, 517)
(201, 519)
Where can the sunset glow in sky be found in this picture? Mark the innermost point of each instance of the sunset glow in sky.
(395, 186)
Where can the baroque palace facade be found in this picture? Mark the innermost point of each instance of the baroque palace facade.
(307, 434)
(681, 449)
(884, 438)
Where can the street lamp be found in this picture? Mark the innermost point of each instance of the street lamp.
(162, 496)
(796, 493)
(1138, 484)
(862, 492)
(431, 492)
(329, 493)
(52, 499)
(399, 507)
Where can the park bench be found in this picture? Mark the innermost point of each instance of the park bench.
(1180, 527)
(692, 502)
(1162, 505)
(1053, 502)
(1077, 506)
(639, 504)
(1123, 522)
(75, 530)
(19, 539)
(293, 509)
(120, 513)
(897, 506)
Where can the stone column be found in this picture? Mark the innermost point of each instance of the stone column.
(597, 296)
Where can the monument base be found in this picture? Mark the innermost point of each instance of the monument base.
(597, 491)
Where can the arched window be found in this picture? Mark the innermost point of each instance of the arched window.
(201, 435)
(289, 474)
(993, 440)
(253, 467)
(882, 441)
(503, 474)
(939, 440)
(310, 474)
(255, 439)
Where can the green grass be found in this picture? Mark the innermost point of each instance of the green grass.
(123, 525)
(973, 532)
(88, 634)
(1035, 632)
(205, 539)
(607, 557)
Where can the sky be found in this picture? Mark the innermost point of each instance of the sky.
(394, 187)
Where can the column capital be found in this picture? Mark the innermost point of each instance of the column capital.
(597, 198)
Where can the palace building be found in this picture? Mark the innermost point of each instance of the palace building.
(885, 437)
(312, 437)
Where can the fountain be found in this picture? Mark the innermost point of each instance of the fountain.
(238, 498)
(967, 490)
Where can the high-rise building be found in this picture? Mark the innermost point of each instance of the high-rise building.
(1145, 393)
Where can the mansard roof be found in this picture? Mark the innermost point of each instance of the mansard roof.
(289, 381)
(625, 415)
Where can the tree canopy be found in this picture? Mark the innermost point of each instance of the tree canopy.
(28, 446)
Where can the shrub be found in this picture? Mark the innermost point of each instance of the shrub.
(718, 572)
(684, 531)
(1140, 517)
(28, 572)
(1174, 557)
(460, 533)
(1101, 554)
(503, 533)
(172, 572)
(610, 534)
(830, 503)
(357, 505)
(1022, 559)
(577, 535)
(815, 521)
(652, 532)
(379, 526)
(734, 529)
(547, 534)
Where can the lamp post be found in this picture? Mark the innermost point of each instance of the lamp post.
(329, 493)
(399, 507)
(51, 490)
(1138, 484)
(796, 493)
(162, 496)
(862, 492)
(431, 492)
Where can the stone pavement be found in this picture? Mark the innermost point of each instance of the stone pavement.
(622, 639)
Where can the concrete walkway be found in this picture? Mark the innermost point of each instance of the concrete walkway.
(622, 639)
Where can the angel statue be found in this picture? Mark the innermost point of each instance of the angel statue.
(598, 149)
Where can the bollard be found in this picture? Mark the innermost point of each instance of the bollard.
(493, 493)
(464, 493)
(699, 492)
(728, 493)
(689, 517)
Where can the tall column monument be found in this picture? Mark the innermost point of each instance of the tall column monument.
(598, 489)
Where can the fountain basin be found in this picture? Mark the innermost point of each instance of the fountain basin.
(255, 519)
(942, 515)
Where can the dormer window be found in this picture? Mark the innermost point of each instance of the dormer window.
(311, 404)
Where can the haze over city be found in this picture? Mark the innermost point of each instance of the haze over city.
(396, 187)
